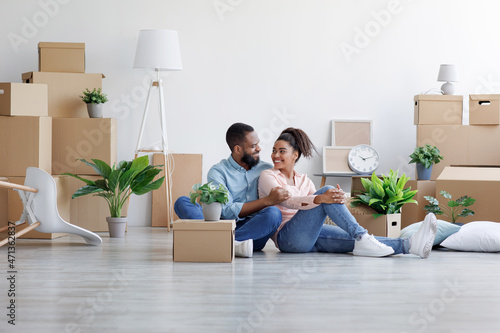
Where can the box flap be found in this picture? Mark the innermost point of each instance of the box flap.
(27, 76)
(58, 45)
(484, 97)
(204, 225)
(486, 173)
(438, 98)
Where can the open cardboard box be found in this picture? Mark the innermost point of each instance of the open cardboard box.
(412, 213)
(386, 225)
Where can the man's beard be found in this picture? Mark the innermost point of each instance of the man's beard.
(249, 160)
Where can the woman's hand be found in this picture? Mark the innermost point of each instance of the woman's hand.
(333, 195)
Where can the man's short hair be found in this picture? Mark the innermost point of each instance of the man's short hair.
(236, 134)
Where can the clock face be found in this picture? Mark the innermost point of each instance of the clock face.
(363, 159)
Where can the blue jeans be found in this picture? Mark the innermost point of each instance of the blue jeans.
(306, 231)
(259, 227)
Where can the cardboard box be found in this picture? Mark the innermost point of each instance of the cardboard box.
(438, 110)
(64, 91)
(75, 138)
(3, 203)
(411, 213)
(20, 99)
(484, 109)
(483, 146)
(187, 171)
(25, 142)
(451, 140)
(61, 57)
(89, 212)
(385, 225)
(201, 241)
(480, 183)
(63, 206)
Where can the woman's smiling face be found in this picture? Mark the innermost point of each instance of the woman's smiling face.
(283, 155)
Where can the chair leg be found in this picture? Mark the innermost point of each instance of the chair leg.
(20, 233)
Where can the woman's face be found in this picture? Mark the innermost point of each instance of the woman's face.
(283, 155)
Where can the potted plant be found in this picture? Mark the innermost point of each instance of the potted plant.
(453, 209)
(117, 184)
(425, 157)
(95, 100)
(211, 198)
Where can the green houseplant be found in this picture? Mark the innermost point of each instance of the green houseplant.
(118, 182)
(95, 100)
(211, 197)
(425, 157)
(454, 209)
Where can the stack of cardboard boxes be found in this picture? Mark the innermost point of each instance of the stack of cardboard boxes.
(45, 124)
(471, 152)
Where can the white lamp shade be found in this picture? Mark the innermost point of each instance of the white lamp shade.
(448, 73)
(158, 49)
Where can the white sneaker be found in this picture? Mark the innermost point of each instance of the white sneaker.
(244, 248)
(423, 240)
(369, 246)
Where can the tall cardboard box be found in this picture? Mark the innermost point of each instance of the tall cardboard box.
(61, 57)
(411, 213)
(480, 183)
(82, 138)
(484, 109)
(63, 206)
(186, 172)
(3, 203)
(20, 99)
(25, 142)
(202, 241)
(438, 110)
(64, 91)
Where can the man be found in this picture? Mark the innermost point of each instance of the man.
(256, 219)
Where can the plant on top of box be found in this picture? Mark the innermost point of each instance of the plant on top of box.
(211, 197)
(118, 182)
(454, 209)
(386, 195)
(425, 157)
(94, 100)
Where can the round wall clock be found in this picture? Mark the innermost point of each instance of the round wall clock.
(363, 159)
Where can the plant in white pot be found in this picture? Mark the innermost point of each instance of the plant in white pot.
(118, 182)
(211, 198)
(95, 100)
(425, 157)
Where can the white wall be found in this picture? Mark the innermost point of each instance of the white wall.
(269, 63)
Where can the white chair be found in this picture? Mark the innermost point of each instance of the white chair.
(39, 197)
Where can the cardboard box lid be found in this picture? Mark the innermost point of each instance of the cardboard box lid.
(204, 225)
(29, 75)
(484, 97)
(438, 98)
(474, 173)
(57, 45)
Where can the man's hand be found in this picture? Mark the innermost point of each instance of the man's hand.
(277, 195)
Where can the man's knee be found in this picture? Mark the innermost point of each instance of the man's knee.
(273, 215)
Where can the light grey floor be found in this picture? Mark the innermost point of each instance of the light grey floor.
(132, 285)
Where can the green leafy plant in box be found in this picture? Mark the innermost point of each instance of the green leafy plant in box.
(453, 209)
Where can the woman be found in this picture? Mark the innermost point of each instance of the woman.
(303, 228)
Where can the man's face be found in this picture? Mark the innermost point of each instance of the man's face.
(251, 149)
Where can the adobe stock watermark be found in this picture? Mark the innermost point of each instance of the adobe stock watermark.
(30, 26)
(363, 36)
(487, 85)
(221, 7)
(280, 120)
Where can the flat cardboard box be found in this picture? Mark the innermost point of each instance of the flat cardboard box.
(64, 91)
(385, 225)
(25, 142)
(451, 140)
(61, 57)
(63, 206)
(20, 99)
(201, 241)
(3, 203)
(484, 109)
(82, 138)
(480, 183)
(187, 171)
(412, 213)
(438, 110)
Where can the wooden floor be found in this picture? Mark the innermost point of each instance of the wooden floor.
(132, 285)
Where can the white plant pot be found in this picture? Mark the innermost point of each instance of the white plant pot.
(117, 226)
(211, 212)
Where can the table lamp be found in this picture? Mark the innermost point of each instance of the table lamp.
(448, 74)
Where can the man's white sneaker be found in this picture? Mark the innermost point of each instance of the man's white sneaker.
(423, 240)
(244, 248)
(369, 246)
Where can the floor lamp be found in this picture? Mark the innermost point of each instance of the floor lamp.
(158, 50)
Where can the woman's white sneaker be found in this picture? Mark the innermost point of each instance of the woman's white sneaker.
(244, 248)
(369, 246)
(423, 240)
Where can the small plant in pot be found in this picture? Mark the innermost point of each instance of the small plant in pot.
(211, 197)
(425, 157)
(95, 100)
(453, 210)
(118, 182)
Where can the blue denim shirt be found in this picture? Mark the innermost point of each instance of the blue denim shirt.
(242, 184)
